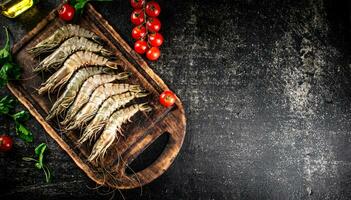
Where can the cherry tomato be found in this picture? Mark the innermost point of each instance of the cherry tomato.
(139, 32)
(5, 143)
(137, 17)
(153, 24)
(167, 98)
(153, 9)
(140, 46)
(66, 12)
(153, 53)
(137, 3)
(155, 39)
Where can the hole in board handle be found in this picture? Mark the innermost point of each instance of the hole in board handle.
(149, 155)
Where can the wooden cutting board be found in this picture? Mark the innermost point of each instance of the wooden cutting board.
(144, 129)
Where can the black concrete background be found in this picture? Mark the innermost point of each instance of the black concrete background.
(267, 90)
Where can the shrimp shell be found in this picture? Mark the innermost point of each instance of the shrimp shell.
(73, 63)
(60, 35)
(67, 48)
(113, 127)
(87, 89)
(112, 104)
(74, 85)
(97, 98)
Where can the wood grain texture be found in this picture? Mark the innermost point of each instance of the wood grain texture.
(143, 131)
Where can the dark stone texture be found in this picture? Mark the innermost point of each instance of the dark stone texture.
(267, 90)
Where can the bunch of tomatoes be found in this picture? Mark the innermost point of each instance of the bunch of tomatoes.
(147, 27)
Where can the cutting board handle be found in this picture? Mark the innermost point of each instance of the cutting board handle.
(161, 164)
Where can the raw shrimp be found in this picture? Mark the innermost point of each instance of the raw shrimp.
(75, 84)
(74, 62)
(60, 35)
(86, 90)
(67, 48)
(112, 104)
(97, 98)
(113, 128)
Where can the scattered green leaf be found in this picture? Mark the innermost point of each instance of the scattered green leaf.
(5, 53)
(39, 163)
(9, 70)
(38, 149)
(21, 116)
(23, 132)
(29, 159)
(7, 106)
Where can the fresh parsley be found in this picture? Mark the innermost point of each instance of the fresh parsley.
(39, 160)
(7, 106)
(9, 70)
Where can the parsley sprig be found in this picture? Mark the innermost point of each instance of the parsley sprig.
(39, 162)
(9, 70)
(7, 106)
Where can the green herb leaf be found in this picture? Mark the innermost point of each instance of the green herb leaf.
(39, 151)
(38, 165)
(5, 52)
(9, 70)
(21, 116)
(23, 132)
(39, 148)
(7, 104)
(5, 73)
(47, 174)
(29, 159)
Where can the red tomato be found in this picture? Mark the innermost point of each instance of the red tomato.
(66, 12)
(155, 39)
(153, 53)
(5, 143)
(137, 3)
(139, 32)
(153, 24)
(153, 9)
(137, 17)
(140, 46)
(167, 98)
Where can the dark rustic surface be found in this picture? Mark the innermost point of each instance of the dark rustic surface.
(267, 92)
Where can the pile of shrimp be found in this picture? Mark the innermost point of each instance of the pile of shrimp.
(96, 100)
